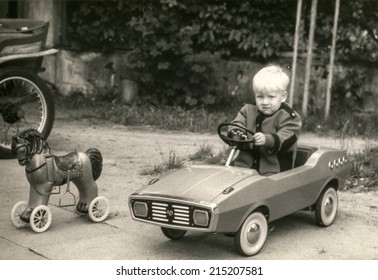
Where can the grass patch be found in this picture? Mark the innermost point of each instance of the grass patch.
(363, 175)
(199, 119)
(155, 170)
(205, 151)
(161, 117)
(172, 162)
(206, 154)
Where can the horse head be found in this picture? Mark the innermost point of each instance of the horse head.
(28, 143)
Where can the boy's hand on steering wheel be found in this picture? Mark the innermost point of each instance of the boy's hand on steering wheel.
(260, 139)
(237, 134)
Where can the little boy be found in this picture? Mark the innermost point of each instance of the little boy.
(276, 125)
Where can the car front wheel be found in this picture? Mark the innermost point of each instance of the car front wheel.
(173, 233)
(326, 207)
(251, 236)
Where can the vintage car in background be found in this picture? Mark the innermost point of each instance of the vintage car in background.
(240, 202)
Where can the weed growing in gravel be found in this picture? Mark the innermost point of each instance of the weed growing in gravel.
(155, 170)
(172, 162)
(363, 175)
(364, 172)
(206, 154)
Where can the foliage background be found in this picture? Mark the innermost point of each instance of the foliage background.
(175, 46)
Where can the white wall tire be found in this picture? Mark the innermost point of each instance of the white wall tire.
(251, 236)
(98, 209)
(326, 207)
(17, 209)
(40, 218)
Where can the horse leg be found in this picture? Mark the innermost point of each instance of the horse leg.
(88, 191)
(86, 185)
(38, 195)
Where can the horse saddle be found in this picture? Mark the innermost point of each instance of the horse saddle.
(67, 162)
(68, 166)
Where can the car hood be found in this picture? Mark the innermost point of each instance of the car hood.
(197, 183)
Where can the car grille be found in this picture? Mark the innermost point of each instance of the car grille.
(166, 212)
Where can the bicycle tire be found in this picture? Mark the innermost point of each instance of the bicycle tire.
(25, 102)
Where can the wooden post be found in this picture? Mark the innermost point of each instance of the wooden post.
(314, 4)
(295, 52)
(332, 60)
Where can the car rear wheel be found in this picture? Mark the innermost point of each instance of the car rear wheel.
(251, 236)
(326, 207)
(173, 233)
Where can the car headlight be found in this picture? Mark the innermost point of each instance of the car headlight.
(201, 217)
(140, 209)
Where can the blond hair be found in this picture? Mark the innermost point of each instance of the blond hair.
(271, 78)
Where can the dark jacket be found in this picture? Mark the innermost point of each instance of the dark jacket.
(281, 129)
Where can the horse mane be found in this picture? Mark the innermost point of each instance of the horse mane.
(31, 136)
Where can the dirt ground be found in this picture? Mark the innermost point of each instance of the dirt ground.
(127, 152)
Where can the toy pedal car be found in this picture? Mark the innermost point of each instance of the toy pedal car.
(239, 201)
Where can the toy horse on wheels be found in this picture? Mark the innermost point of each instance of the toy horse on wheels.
(45, 171)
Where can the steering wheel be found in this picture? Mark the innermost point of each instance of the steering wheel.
(239, 143)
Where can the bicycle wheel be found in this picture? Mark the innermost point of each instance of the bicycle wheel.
(25, 102)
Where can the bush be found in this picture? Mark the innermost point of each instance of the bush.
(174, 44)
(175, 47)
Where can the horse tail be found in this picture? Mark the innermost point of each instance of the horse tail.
(96, 161)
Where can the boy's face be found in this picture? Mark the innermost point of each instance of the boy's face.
(269, 103)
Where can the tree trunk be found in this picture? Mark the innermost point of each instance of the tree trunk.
(314, 4)
(332, 60)
(295, 52)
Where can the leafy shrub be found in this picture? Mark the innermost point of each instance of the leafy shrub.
(348, 91)
(258, 29)
(175, 46)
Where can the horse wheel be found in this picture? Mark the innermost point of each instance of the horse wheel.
(17, 209)
(40, 218)
(98, 209)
